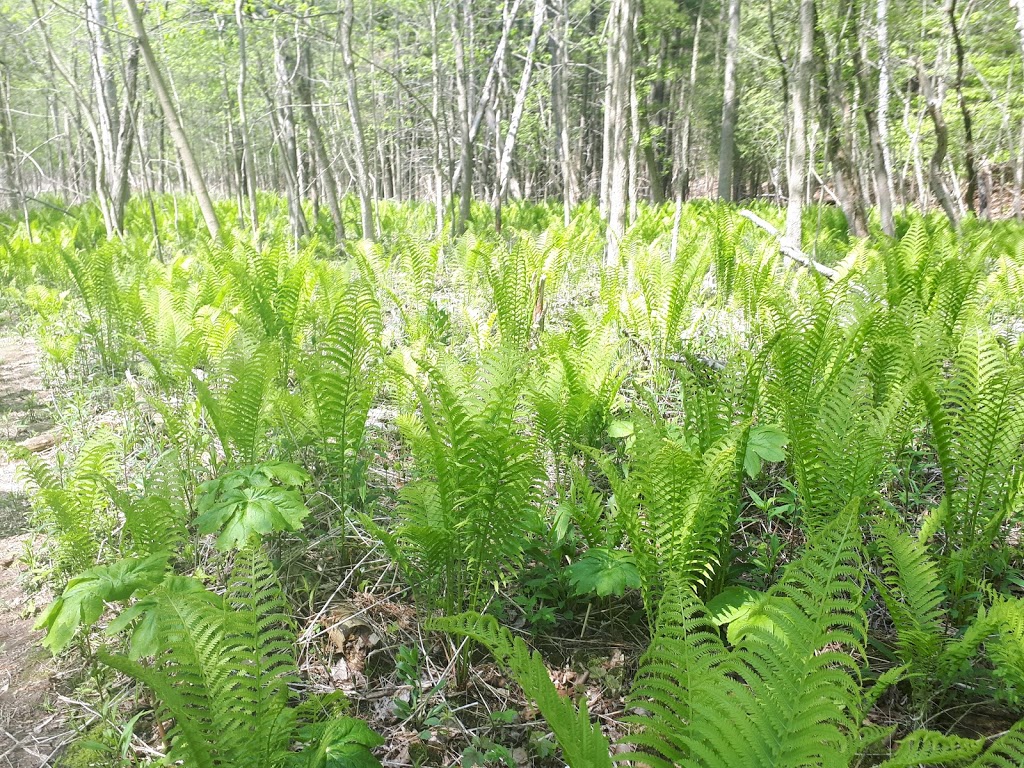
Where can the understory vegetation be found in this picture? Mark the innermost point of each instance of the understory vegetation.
(487, 500)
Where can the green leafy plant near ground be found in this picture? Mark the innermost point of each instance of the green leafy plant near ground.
(795, 499)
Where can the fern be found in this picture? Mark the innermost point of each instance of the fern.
(787, 695)
(912, 589)
(464, 518)
(682, 514)
(583, 745)
(337, 380)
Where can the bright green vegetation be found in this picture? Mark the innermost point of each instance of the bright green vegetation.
(796, 501)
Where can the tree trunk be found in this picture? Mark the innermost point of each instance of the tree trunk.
(352, 98)
(248, 163)
(730, 105)
(284, 66)
(836, 121)
(965, 112)
(933, 104)
(9, 192)
(617, 138)
(505, 160)
(462, 90)
(560, 106)
(801, 95)
(192, 170)
(682, 178)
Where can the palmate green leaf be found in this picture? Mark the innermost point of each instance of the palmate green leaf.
(254, 501)
(604, 572)
(732, 604)
(243, 512)
(341, 743)
(83, 599)
(765, 443)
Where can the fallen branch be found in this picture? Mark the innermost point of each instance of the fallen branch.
(788, 248)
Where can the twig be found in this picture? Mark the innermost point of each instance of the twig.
(791, 251)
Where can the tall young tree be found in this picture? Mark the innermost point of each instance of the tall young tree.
(730, 105)
(615, 168)
(560, 104)
(801, 81)
(171, 117)
(359, 151)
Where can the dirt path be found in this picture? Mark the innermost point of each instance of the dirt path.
(31, 732)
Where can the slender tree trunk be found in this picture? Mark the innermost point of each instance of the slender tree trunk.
(284, 67)
(9, 188)
(360, 155)
(800, 98)
(884, 90)
(933, 103)
(617, 136)
(192, 170)
(730, 105)
(560, 106)
(248, 159)
(462, 89)
(682, 179)
(965, 112)
(505, 160)
(836, 120)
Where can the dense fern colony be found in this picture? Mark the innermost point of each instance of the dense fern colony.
(796, 501)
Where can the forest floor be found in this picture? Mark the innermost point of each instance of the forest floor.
(32, 730)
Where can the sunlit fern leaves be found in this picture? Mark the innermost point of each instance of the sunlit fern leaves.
(574, 389)
(513, 274)
(238, 403)
(465, 516)
(911, 587)
(680, 509)
(824, 394)
(72, 503)
(337, 380)
(786, 695)
(977, 430)
(222, 668)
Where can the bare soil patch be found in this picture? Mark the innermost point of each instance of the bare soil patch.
(31, 729)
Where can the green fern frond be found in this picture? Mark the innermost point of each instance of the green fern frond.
(583, 745)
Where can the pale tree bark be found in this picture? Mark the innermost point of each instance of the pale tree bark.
(508, 146)
(359, 154)
(933, 102)
(730, 105)
(882, 117)
(1018, 6)
(459, 21)
(560, 105)
(173, 121)
(510, 13)
(801, 95)
(682, 179)
(877, 130)
(436, 155)
(617, 124)
(284, 67)
(316, 139)
(9, 187)
(837, 123)
(111, 135)
(965, 112)
(248, 160)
